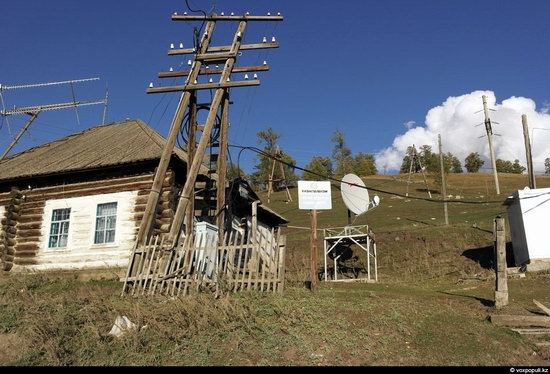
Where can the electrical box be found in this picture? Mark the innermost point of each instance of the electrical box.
(206, 244)
(529, 217)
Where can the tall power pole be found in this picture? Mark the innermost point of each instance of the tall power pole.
(529, 155)
(443, 182)
(489, 128)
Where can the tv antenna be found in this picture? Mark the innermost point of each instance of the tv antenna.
(416, 164)
(356, 196)
(277, 158)
(36, 110)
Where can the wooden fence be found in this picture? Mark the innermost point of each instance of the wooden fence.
(199, 263)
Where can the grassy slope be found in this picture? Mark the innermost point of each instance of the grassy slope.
(430, 307)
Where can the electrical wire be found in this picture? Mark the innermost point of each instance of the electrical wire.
(265, 154)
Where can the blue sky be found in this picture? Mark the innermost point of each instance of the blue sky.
(364, 67)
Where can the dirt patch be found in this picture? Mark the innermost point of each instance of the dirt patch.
(12, 346)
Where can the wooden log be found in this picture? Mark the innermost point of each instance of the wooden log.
(542, 307)
(29, 233)
(520, 321)
(29, 226)
(26, 254)
(30, 218)
(501, 284)
(11, 230)
(30, 239)
(23, 247)
(25, 261)
(532, 331)
(90, 191)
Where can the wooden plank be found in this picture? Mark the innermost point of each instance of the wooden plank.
(178, 17)
(203, 86)
(520, 321)
(224, 48)
(542, 307)
(236, 70)
(532, 331)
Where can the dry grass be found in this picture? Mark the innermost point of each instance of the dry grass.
(430, 307)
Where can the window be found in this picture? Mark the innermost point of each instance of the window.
(105, 223)
(59, 230)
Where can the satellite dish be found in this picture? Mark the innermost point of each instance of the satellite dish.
(355, 194)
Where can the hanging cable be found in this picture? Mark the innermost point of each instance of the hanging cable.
(265, 154)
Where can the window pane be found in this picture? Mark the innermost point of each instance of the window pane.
(53, 242)
(55, 228)
(99, 237)
(64, 227)
(111, 223)
(110, 236)
(108, 209)
(100, 223)
(63, 241)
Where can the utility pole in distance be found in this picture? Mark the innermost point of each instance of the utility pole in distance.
(443, 183)
(529, 155)
(489, 128)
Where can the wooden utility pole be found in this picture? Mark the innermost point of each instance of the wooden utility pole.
(529, 155)
(145, 227)
(277, 158)
(222, 168)
(489, 129)
(313, 242)
(501, 283)
(443, 182)
(203, 56)
(416, 160)
(191, 145)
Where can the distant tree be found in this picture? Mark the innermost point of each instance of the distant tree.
(268, 138)
(233, 171)
(364, 164)
(547, 166)
(319, 165)
(456, 165)
(406, 163)
(429, 159)
(504, 166)
(341, 155)
(517, 168)
(473, 162)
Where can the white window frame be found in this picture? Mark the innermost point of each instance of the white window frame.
(105, 229)
(59, 234)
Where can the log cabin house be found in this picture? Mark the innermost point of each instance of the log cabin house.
(76, 203)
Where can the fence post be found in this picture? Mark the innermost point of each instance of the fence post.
(501, 282)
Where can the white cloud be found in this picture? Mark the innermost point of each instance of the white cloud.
(455, 120)
(409, 124)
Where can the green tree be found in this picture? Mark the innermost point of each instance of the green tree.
(233, 171)
(406, 163)
(364, 164)
(456, 165)
(268, 138)
(319, 165)
(429, 159)
(517, 168)
(547, 166)
(341, 155)
(505, 166)
(473, 162)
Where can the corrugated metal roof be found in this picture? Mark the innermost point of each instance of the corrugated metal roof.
(107, 145)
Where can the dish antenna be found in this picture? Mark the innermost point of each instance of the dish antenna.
(356, 196)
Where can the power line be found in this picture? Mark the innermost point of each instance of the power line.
(265, 154)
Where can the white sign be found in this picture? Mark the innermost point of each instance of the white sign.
(314, 195)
